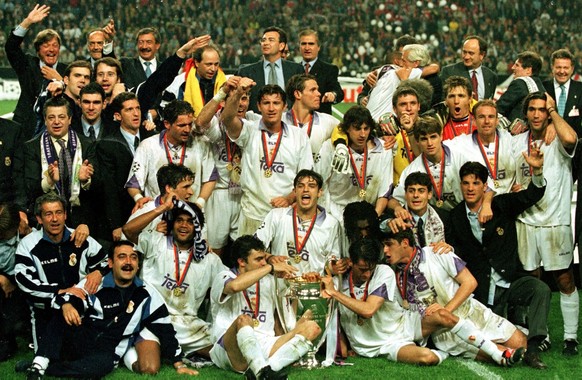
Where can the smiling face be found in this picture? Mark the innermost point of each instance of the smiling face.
(562, 70)
(486, 121)
(183, 230)
(417, 197)
(179, 130)
(147, 47)
(537, 115)
(95, 44)
(458, 101)
(48, 52)
(520, 71)
(472, 56)
(53, 217)
(107, 77)
(124, 265)
(57, 121)
(307, 193)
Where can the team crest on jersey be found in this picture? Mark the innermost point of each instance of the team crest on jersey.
(7, 161)
(72, 259)
(130, 306)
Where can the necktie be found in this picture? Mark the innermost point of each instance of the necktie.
(148, 70)
(562, 100)
(475, 85)
(92, 133)
(420, 233)
(136, 142)
(272, 74)
(65, 166)
(307, 67)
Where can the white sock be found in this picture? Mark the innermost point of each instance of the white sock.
(465, 329)
(250, 348)
(290, 352)
(440, 354)
(41, 362)
(570, 305)
(130, 358)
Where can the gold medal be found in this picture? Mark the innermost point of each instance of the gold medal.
(439, 203)
(177, 292)
(360, 321)
(362, 193)
(255, 322)
(496, 183)
(297, 259)
(405, 304)
(73, 259)
(268, 173)
(229, 166)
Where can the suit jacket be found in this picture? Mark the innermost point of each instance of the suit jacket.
(499, 247)
(133, 72)
(27, 68)
(460, 69)
(255, 72)
(510, 104)
(10, 140)
(574, 100)
(28, 171)
(113, 163)
(326, 76)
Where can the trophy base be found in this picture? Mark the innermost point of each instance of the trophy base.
(309, 361)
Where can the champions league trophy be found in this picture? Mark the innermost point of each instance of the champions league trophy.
(304, 296)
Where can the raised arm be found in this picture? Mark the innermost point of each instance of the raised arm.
(229, 115)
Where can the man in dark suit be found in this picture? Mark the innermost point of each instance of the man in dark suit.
(474, 51)
(10, 139)
(56, 161)
(34, 73)
(525, 71)
(562, 69)
(91, 124)
(137, 70)
(114, 155)
(325, 73)
(490, 250)
(272, 69)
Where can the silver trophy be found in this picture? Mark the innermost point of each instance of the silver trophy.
(304, 296)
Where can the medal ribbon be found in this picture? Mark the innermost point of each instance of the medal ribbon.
(230, 149)
(180, 278)
(409, 152)
(438, 190)
(492, 171)
(269, 160)
(352, 294)
(402, 279)
(255, 310)
(298, 247)
(361, 179)
(167, 148)
(296, 122)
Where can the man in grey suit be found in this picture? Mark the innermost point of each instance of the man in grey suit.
(272, 69)
(474, 51)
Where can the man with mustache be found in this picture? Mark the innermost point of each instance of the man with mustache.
(137, 70)
(94, 331)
